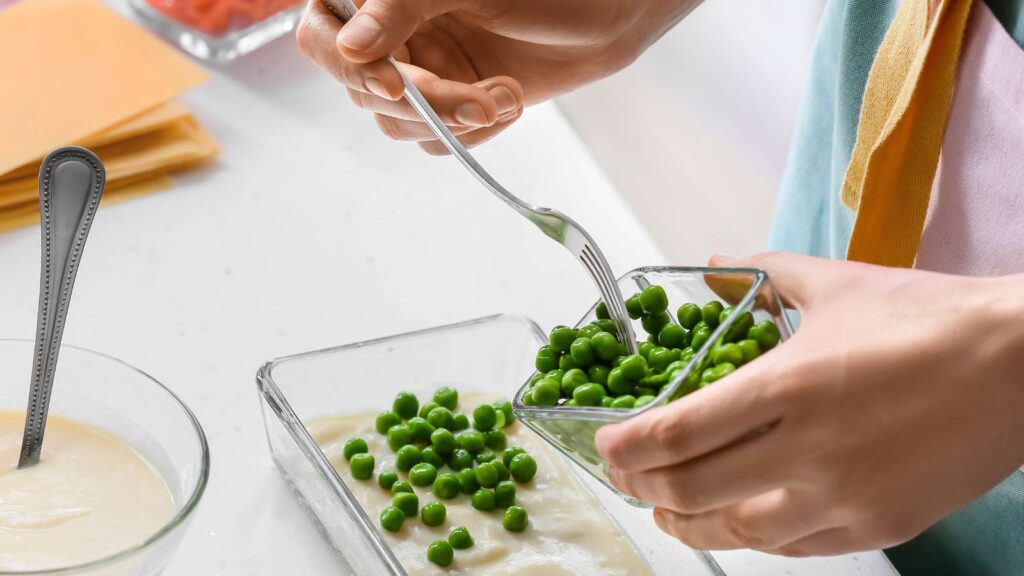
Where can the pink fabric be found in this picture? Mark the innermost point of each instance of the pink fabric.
(975, 222)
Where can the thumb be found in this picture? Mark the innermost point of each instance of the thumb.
(798, 279)
(381, 26)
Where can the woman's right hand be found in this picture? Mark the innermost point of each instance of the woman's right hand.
(478, 62)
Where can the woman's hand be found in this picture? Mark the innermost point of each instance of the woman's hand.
(900, 399)
(478, 62)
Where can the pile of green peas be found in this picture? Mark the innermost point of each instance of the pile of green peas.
(590, 367)
(429, 437)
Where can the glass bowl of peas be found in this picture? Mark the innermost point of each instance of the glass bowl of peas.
(694, 326)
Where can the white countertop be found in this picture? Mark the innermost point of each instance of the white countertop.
(314, 230)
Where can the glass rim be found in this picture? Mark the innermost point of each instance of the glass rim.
(179, 517)
(611, 415)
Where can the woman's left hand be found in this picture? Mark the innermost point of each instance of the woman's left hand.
(899, 400)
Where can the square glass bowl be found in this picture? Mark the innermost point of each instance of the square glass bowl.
(572, 430)
(491, 355)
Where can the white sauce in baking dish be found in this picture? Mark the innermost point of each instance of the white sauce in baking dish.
(569, 534)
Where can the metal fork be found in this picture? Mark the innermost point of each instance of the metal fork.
(554, 224)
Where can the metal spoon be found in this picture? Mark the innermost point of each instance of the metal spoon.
(70, 186)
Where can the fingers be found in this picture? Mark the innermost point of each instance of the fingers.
(767, 522)
(480, 104)
(316, 37)
(474, 138)
(381, 26)
(831, 542)
(797, 278)
(707, 420)
(714, 481)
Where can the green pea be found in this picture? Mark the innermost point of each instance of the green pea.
(652, 338)
(496, 440)
(567, 363)
(643, 401)
(505, 494)
(582, 352)
(766, 333)
(618, 384)
(421, 429)
(483, 500)
(355, 446)
(467, 481)
(407, 502)
(430, 456)
(387, 479)
(672, 336)
(447, 396)
(515, 519)
(426, 408)
(547, 392)
(561, 338)
(505, 407)
(362, 466)
(440, 552)
(399, 435)
(605, 346)
(727, 353)
(653, 299)
(523, 467)
(422, 474)
(406, 405)
(606, 402)
(460, 538)
(725, 314)
(440, 417)
(653, 324)
(569, 403)
(472, 441)
(716, 373)
(659, 358)
(588, 394)
(484, 417)
(443, 441)
(598, 374)
(407, 457)
(385, 420)
(700, 337)
(710, 313)
(644, 348)
(391, 519)
(688, 315)
(588, 331)
(739, 328)
(572, 379)
(510, 453)
(460, 459)
(625, 401)
(401, 486)
(607, 326)
(557, 374)
(634, 368)
(485, 455)
(433, 514)
(487, 475)
(547, 359)
(750, 349)
(446, 486)
(499, 420)
(602, 311)
(528, 398)
(633, 307)
(460, 422)
(503, 473)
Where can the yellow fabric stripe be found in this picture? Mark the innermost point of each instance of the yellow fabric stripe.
(903, 118)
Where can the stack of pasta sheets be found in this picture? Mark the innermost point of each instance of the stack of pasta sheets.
(74, 72)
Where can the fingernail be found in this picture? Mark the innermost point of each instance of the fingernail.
(503, 98)
(361, 32)
(472, 114)
(375, 86)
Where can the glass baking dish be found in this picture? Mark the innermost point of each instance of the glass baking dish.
(490, 355)
(572, 430)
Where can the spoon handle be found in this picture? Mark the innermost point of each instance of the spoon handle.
(70, 186)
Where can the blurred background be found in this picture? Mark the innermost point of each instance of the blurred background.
(695, 133)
